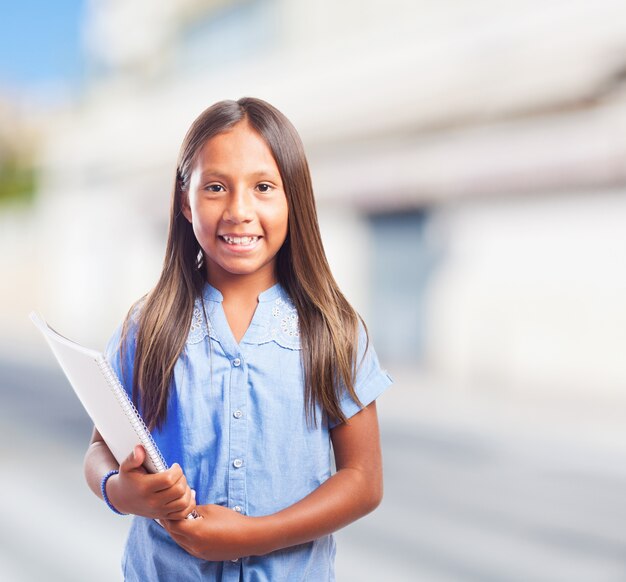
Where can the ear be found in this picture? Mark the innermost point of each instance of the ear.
(184, 205)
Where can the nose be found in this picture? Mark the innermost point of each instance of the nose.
(240, 207)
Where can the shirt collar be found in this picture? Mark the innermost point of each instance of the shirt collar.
(210, 293)
(275, 319)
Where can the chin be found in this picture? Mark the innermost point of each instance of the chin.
(241, 269)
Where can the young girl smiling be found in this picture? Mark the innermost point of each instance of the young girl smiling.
(247, 363)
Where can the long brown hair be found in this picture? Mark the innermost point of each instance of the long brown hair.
(328, 323)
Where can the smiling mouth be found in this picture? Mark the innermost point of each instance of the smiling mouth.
(239, 240)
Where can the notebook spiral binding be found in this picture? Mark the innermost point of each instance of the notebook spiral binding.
(133, 415)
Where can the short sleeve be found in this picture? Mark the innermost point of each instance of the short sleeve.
(371, 379)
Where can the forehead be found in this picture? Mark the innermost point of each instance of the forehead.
(240, 149)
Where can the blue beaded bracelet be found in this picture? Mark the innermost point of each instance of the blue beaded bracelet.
(103, 488)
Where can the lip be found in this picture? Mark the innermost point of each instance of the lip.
(238, 249)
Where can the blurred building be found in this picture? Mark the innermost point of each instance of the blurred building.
(469, 160)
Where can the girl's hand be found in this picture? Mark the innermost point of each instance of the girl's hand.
(220, 534)
(158, 496)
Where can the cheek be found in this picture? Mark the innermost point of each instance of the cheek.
(205, 219)
(273, 218)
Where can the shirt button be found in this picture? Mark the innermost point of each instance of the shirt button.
(238, 508)
(238, 463)
(236, 362)
(237, 414)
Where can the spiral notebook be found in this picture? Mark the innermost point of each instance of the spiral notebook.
(103, 397)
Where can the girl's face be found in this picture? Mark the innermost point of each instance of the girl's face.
(237, 206)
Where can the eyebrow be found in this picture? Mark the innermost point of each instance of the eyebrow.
(220, 175)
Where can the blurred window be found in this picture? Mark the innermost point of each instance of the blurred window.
(402, 262)
(226, 35)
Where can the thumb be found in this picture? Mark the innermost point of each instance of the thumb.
(134, 460)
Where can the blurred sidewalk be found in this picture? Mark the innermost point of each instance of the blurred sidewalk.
(54, 527)
(570, 420)
(477, 488)
(493, 487)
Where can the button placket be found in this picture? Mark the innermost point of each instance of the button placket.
(238, 432)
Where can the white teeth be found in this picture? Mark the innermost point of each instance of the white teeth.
(240, 240)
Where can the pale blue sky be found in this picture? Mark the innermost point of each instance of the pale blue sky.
(40, 43)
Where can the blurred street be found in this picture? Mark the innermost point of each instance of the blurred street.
(475, 491)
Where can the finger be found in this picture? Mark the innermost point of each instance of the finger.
(180, 516)
(181, 527)
(134, 460)
(180, 502)
(172, 527)
(181, 508)
(174, 492)
(168, 479)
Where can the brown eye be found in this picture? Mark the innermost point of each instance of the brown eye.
(214, 188)
(264, 187)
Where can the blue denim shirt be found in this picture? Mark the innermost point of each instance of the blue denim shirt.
(236, 424)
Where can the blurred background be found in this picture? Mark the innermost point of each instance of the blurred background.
(469, 160)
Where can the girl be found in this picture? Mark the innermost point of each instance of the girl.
(246, 362)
